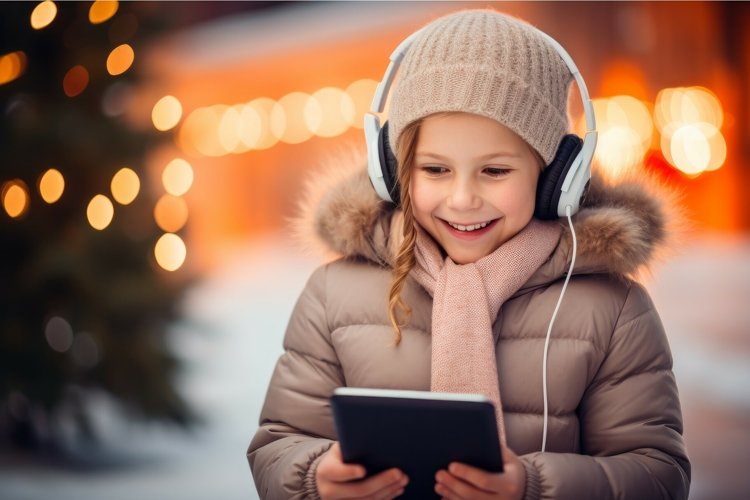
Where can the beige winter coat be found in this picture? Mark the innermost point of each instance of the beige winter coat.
(615, 428)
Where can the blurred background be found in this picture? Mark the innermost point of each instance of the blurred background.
(152, 153)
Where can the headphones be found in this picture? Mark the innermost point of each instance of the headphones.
(561, 185)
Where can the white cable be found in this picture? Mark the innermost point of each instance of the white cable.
(552, 322)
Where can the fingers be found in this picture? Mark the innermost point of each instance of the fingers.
(391, 490)
(380, 486)
(332, 468)
(479, 478)
(463, 481)
(338, 480)
(450, 487)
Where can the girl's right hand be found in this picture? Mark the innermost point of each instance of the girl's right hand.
(336, 479)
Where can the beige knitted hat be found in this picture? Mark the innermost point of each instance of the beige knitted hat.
(490, 64)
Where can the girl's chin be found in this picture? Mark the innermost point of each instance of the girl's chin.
(463, 257)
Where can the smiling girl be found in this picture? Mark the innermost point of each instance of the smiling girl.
(452, 289)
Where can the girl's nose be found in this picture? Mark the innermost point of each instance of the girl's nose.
(462, 196)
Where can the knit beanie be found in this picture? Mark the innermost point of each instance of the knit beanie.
(489, 64)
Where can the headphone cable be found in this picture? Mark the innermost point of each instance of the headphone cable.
(552, 321)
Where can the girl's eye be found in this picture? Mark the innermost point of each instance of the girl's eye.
(434, 170)
(496, 171)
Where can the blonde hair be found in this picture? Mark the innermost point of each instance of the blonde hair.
(405, 260)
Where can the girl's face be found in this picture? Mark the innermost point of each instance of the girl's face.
(473, 183)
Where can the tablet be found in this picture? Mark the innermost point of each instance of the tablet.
(419, 432)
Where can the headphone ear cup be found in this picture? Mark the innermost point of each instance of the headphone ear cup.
(551, 179)
(389, 165)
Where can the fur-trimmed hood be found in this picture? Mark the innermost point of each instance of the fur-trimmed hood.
(620, 227)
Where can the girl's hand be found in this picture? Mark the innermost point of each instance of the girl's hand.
(464, 482)
(336, 479)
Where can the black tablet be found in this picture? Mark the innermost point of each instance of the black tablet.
(418, 432)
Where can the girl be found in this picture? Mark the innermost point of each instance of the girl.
(453, 290)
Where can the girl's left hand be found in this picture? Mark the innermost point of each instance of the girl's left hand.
(463, 482)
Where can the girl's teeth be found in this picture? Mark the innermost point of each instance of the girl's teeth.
(472, 227)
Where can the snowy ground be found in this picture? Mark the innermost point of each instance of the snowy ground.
(230, 345)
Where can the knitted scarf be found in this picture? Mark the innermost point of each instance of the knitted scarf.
(467, 299)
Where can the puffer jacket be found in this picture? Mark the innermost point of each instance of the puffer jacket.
(615, 425)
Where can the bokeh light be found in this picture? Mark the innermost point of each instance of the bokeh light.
(264, 108)
(125, 186)
(43, 14)
(249, 127)
(51, 185)
(199, 131)
(329, 112)
(120, 59)
(15, 197)
(166, 113)
(75, 81)
(625, 133)
(59, 334)
(85, 350)
(288, 118)
(228, 130)
(687, 105)
(102, 10)
(221, 129)
(361, 93)
(690, 121)
(177, 177)
(12, 66)
(694, 148)
(171, 213)
(170, 252)
(100, 212)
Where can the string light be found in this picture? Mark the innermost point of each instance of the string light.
(100, 212)
(329, 112)
(171, 213)
(264, 108)
(690, 120)
(75, 81)
(199, 132)
(289, 117)
(177, 177)
(228, 130)
(261, 123)
(125, 186)
(15, 198)
(166, 113)
(85, 350)
(170, 252)
(120, 59)
(12, 66)
(51, 185)
(59, 334)
(43, 14)
(625, 131)
(102, 10)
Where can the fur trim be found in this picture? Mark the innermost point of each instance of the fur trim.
(339, 210)
(621, 227)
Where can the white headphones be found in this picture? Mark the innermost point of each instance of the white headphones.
(562, 183)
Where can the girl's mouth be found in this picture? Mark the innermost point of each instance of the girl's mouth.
(469, 231)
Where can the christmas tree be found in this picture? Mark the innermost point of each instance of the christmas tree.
(84, 306)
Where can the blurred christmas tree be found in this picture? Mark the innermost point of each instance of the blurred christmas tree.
(84, 307)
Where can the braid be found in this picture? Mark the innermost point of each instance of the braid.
(405, 259)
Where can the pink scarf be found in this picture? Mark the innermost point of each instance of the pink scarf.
(466, 301)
